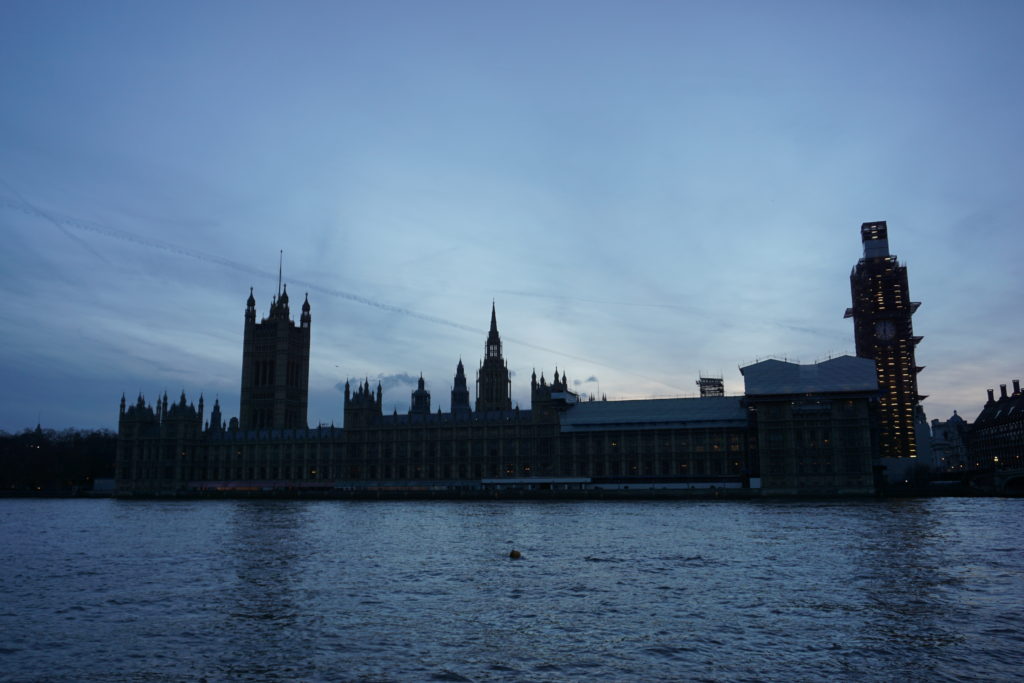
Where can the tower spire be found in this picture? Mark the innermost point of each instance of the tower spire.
(280, 264)
(493, 387)
(492, 349)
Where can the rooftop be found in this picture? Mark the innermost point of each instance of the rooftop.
(655, 414)
(837, 375)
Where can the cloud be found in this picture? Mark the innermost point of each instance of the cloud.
(387, 382)
(396, 380)
(592, 378)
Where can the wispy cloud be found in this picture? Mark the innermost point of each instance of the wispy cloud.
(387, 382)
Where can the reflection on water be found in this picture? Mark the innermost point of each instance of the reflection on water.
(264, 549)
(273, 590)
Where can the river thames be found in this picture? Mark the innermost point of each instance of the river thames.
(917, 589)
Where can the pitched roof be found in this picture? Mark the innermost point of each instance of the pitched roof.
(1003, 409)
(837, 375)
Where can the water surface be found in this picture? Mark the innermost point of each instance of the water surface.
(105, 590)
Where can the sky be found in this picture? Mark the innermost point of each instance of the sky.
(647, 191)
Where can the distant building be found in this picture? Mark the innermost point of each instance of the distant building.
(996, 439)
(949, 443)
(560, 442)
(814, 424)
(883, 332)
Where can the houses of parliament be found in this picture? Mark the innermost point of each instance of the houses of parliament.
(816, 428)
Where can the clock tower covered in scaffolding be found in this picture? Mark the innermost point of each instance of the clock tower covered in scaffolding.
(883, 332)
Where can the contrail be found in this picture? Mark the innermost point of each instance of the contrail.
(29, 208)
(152, 243)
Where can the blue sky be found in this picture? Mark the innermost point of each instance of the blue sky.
(647, 190)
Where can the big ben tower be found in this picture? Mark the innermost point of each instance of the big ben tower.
(882, 330)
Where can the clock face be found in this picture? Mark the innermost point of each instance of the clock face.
(885, 330)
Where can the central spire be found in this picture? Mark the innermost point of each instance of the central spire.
(493, 387)
(280, 266)
(493, 346)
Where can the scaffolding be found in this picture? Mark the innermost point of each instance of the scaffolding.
(711, 386)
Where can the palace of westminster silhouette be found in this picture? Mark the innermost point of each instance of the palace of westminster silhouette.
(820, 428)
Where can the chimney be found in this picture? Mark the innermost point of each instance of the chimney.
(1002, 391)
(991, 398)
(1016, 387)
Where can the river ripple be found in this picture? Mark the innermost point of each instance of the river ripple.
(104, 590)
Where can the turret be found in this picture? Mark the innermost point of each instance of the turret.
(216, 423)
(362, 408)
(250, 308)
(460, 392)
(305, 318)
(282, 303)
(420, 399)
(548, 400)
(279, 306)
